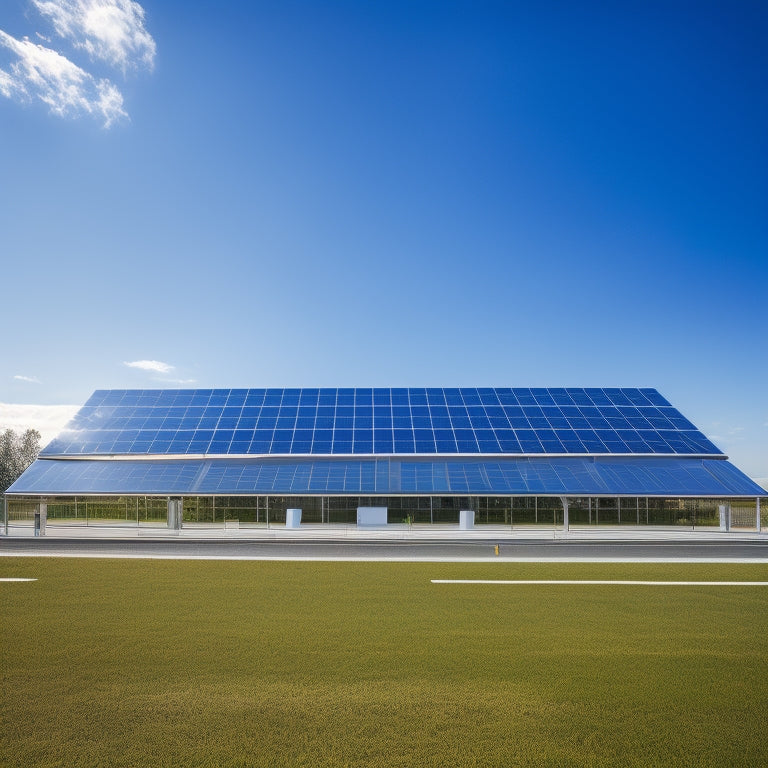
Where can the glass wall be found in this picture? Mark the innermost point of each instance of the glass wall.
(257, 511)
(92, 510)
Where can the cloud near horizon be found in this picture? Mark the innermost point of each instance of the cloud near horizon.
(29, 379)
(156, 366)
(111, 31)
(48, 420)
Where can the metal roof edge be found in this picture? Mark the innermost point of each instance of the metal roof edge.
(330, 456)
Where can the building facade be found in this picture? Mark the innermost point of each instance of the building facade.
(512, 456)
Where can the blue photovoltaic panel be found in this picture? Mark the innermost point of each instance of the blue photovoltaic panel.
(573, 476)
(322, 422)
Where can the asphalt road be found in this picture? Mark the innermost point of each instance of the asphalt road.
(752, 551)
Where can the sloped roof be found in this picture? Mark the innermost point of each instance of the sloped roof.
(485, 441)
(319, 422)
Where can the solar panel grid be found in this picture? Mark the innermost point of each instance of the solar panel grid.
(649, 476)
(340, 421)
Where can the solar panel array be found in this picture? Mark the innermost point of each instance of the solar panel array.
(379, 422)
(570, 475)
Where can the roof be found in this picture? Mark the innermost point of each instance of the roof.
(463, 421)
(506, 441)
(390, 476)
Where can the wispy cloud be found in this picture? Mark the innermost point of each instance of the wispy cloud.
(110, 31)
(48, 420)
(29, 379)
(42, 73)
(156, 366)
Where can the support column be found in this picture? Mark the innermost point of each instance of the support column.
(564, 501)
(725, 516)
(41, 517)
(757, 514)
(5, 514)
(175, 512)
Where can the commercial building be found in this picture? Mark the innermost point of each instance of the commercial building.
(509, 456)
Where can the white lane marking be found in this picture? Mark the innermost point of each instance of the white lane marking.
(18, 579)
(606, 581)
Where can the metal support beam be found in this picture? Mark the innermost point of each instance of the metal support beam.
(175, 513)
(725, 517)
(757, 514)
(564, 501)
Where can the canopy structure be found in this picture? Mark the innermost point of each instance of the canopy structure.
(415, 441)
(683, 477)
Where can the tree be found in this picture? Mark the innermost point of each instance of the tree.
(17, 452)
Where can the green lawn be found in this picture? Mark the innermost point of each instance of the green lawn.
(209, 663)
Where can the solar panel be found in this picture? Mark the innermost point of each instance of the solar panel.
(378, 421)
(569, 475)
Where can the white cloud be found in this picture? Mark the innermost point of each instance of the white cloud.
(48, 420)
(109, 30)
(150, 365)
(30, 379)
(42, 73)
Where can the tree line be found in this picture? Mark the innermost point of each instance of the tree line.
(17, 452)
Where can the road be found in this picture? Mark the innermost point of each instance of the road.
(422, 550)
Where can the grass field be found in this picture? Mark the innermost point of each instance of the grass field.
(210, 663)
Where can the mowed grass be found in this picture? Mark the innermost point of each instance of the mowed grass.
(210, 663)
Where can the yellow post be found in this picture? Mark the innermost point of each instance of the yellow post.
(496, 549)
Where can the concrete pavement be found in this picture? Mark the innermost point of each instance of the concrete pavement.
(393, 532)
(421, 543)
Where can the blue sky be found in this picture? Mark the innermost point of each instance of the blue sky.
(388, 194)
